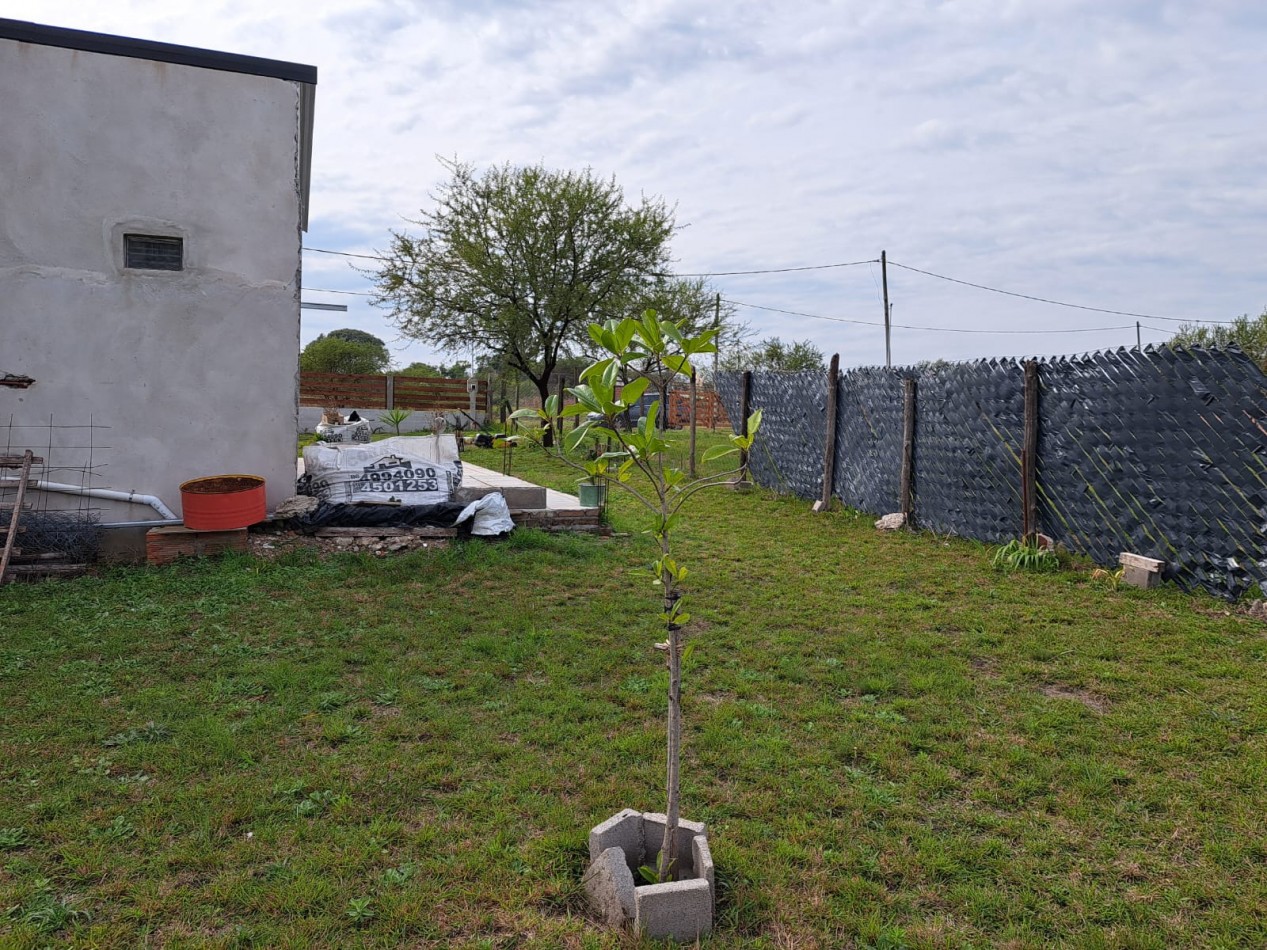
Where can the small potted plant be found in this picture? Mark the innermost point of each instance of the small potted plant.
(592, 489)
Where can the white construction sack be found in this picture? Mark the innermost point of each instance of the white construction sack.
(396, 470)
(491, 514)
(343, 432)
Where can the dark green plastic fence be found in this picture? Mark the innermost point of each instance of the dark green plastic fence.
(1161, 452)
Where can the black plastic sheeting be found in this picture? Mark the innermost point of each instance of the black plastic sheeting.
(969, 420)
(1159, 452)
(788, 453)
(329, 515)
(868, 439)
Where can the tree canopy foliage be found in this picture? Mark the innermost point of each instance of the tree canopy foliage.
(1246, 332)
(345, 351)
(458, 370)
(772, 354)
(515, 261)
(352, 335)
(692, 305)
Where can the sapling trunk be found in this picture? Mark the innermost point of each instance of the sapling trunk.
(668, 849)
(642, 451)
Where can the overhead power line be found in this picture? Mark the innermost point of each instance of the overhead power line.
(917, 270)
(907, 326)
(774, 270)
(1057, 303)
(722, 273)
(322, 250)
(819, 316)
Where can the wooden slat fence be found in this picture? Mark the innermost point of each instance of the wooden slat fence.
(424, 392)
(388, 392)
(338, 389)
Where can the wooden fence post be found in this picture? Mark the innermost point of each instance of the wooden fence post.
(906, 499)
(694, 406)
(829, 440)
(745, 401)
(1029, 455)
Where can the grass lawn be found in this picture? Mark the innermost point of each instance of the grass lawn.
(893, 745)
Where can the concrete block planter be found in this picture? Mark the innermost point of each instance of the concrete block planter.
(681, 909)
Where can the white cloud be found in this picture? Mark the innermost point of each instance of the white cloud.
(1103, 152)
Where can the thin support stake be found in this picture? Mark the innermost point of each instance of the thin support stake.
(907, 500)
(829, 441)
(694, 407)
(1029, 455)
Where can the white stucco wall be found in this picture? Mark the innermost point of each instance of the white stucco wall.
(194, 372)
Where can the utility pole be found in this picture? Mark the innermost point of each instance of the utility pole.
(717, 337)
(1138, 345)
(884, 277)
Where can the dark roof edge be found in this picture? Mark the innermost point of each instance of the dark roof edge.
(25, 32)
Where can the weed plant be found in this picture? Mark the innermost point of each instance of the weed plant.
(1022, 555)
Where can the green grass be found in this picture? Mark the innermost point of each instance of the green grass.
(893, 744)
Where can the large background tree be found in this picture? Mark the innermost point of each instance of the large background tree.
(345, 351)
(1248, 333)
(457, 370)
(773, 354)
(515, 262)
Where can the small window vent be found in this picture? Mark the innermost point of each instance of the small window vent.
(150, 252)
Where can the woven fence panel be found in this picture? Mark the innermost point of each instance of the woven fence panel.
(1160, 453)
(869, 439)
(968, 430)
(788, 452)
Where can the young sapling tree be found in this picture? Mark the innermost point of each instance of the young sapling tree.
(636, 461)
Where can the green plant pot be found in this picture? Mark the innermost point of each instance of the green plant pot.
(592, 496)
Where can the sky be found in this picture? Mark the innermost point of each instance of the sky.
(1109, 154)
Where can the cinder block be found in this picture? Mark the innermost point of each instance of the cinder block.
(703, 862)
(1140, 577)
(1140, 571)
(622, 830)
(609, 885)
(653, 837)
(677, 910)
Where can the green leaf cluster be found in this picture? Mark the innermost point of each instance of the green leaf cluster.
(515, 261)
(345, 351)
(1249, 334)
(1018, 555)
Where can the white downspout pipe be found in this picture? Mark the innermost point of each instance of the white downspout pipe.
(131, 497)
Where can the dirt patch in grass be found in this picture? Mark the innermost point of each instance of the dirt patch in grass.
(1093, 702)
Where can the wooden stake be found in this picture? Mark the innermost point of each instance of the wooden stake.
(829, 441)
(27, 458)
(906, 500)
(712, 412)
(694, 406)
(1029, 455)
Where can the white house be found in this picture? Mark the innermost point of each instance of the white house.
(152, 201)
